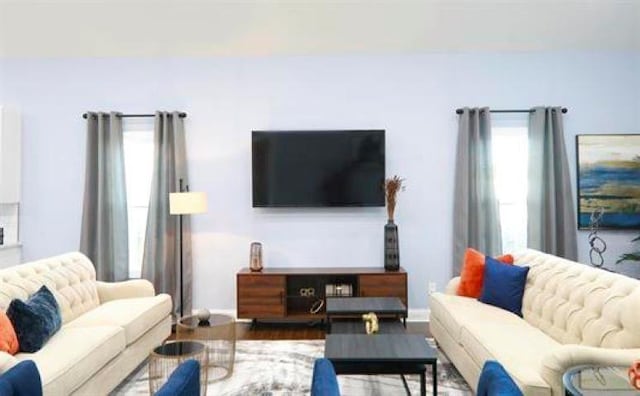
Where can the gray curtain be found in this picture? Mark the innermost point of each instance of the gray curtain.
(161, 258)
(551, 218)
(476, 220)
(104, 235)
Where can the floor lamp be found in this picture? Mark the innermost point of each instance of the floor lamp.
(183, 203)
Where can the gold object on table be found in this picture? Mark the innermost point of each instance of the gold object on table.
(370, 323)
(218, 333)
(165, 358)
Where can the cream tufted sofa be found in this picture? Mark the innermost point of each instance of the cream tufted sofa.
(107, 329)
(573, 314)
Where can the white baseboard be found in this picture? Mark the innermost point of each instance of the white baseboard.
(419, 315)
(415, 315)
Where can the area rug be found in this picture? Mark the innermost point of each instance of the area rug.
(279, 368)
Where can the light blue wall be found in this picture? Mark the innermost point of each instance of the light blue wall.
(412, 96)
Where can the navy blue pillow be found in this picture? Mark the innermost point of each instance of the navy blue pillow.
(324, 381)
(23, 379)
(184, 381)
(35, 320)
(494, 380)
(504, 285)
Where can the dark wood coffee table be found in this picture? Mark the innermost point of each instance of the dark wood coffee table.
(352, 306)
(382, 354)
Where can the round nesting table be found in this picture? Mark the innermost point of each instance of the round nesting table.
(164, 359)
(597, 380)
(219, 335)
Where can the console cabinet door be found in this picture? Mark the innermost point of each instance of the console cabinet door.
(384, 285)
(261, 296)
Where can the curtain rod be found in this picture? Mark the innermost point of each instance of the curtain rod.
(459, 111)
(181, 115)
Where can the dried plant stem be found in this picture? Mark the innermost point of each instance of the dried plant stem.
(392, 186)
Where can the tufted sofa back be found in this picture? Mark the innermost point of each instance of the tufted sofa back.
(578, 304)
(71, 277)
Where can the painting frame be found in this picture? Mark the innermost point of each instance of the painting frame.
(608, 177)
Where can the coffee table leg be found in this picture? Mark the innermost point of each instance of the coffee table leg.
(434, 370)
(406, 386)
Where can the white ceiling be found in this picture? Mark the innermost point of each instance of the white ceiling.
(264, 27)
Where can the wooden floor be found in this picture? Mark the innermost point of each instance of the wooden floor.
(299, 331)
(302, 331)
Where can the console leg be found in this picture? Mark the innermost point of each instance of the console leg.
(254, 324)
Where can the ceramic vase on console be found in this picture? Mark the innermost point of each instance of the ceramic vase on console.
(255, 257)
(391, 246)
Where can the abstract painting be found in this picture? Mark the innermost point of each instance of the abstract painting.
(609, 180)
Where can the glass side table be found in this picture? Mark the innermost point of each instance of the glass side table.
(597, 380)
(164, 359)
(219, 335)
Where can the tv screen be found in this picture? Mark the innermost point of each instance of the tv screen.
(318, 168)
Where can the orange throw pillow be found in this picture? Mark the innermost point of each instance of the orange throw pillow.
(472, 274)
(8, 338)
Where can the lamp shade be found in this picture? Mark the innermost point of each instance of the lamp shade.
(187, 203)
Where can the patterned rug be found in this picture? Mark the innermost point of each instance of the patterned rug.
(280, 368)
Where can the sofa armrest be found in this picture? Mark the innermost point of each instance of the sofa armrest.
(108, 291)
(561, 359)
(7, 361)
(452, 286)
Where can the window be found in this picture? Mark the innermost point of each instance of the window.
(510, 158)
(138, 168)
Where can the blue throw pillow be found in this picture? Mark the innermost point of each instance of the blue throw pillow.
(324, 381)
(495, 381)
(184, 381)
(23, 379)
(35, 320)
(504, 285)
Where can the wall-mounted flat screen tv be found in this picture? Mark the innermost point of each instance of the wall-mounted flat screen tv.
(318, 168)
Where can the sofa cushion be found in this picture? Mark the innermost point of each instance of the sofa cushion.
(453, 312)
(8, 337)
(73, 355)
(518, 346)
(134, 315)
(71, 278)
(578, 304)
(35, 320)
(504, 285)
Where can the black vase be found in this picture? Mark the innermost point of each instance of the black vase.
(391, 247)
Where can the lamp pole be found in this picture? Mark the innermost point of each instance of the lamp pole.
(183, 202)
(181, 269)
